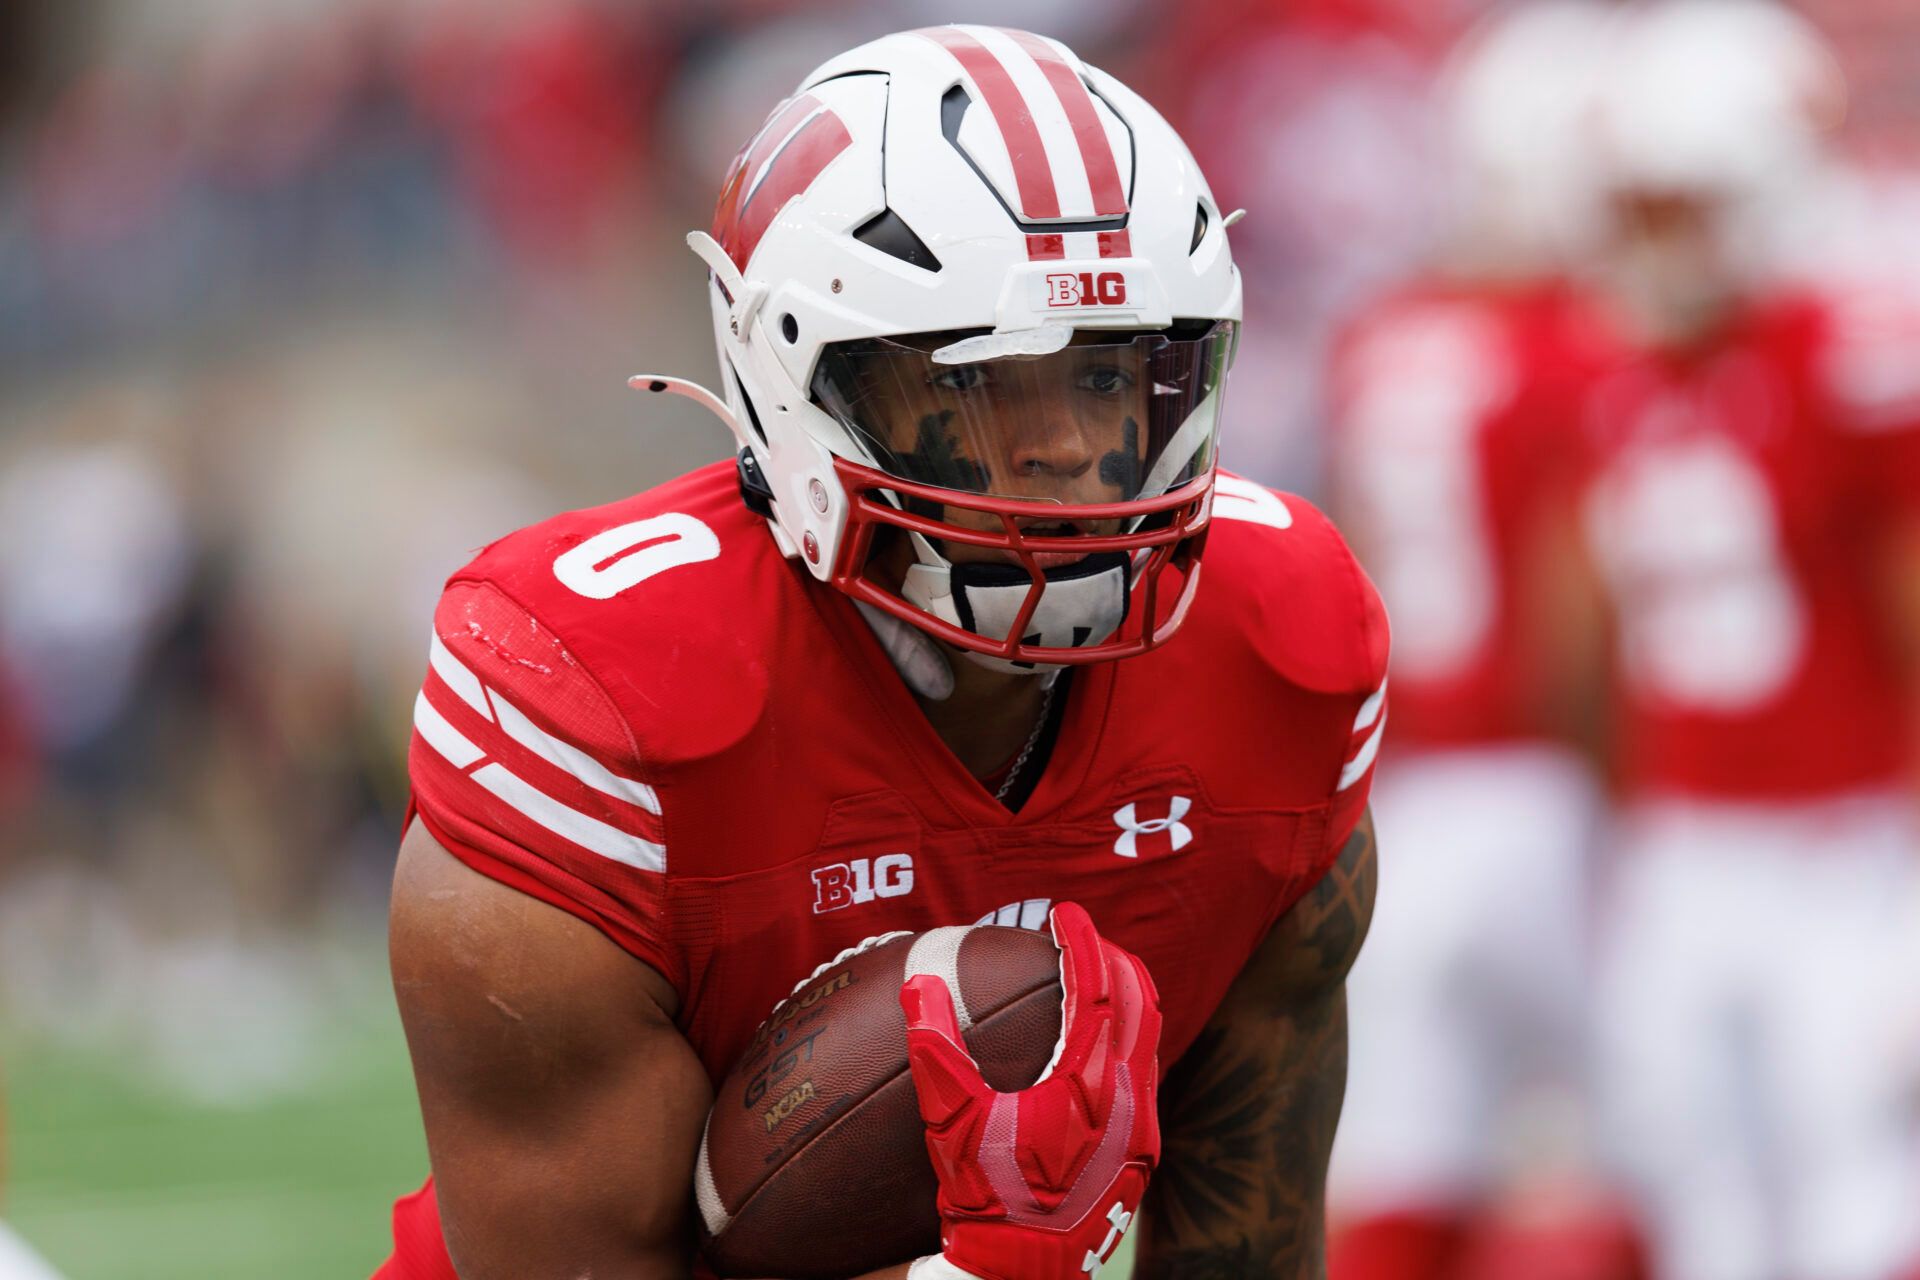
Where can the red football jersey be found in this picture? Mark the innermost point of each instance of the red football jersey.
(646, 716)
(1738, 509)
(1451, 413)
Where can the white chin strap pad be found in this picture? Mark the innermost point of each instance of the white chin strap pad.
(920, 662)
(1084, 603)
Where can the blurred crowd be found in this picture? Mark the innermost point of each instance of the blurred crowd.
(302, 301)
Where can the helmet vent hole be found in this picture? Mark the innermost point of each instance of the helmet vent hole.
(889, 233)
(789, 328)
(1199, 228)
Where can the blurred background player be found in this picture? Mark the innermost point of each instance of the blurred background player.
(1744, 511)
(1450, 451)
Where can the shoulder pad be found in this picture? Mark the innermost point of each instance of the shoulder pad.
(668, 599)
(1277, 572)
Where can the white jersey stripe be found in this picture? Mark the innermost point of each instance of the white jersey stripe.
(570, 758)
(441, 736)
(570, 824)
(1370, 708)
(457, 677)
(1357, 767)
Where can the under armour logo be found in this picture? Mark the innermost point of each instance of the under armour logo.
(1178, 833)
(1118, 1220)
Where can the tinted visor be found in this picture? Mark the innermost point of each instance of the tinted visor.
(1108, 418)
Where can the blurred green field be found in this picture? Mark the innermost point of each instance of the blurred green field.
(113, 1179)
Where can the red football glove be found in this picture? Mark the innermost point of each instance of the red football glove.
(1041, 1184)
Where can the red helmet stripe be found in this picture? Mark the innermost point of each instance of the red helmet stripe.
(784, 120)
(1043, 247)
(1116, 244)
(1032, 172)
(801, 139)
(1096, 149)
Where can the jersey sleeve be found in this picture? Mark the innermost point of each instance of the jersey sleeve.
(524, 769)
(1354, 784)
(1317, 621)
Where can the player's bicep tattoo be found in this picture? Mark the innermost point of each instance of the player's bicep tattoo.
(1322, 933)
(1248, 1114)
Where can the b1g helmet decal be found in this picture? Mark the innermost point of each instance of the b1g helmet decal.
(975, 307)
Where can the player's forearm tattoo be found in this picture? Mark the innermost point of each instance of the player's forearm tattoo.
(1122, 467)
(1248, 1114)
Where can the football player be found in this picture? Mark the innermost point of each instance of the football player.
(1744, 509)
(932, 650)
(1452, 437)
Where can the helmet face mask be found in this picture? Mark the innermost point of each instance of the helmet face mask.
(946, 276)
(1156, 562)
(1024, 477)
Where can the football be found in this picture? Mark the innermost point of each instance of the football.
(814, 1163)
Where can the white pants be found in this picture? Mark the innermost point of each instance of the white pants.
(1468, 995)
(18, 1262)
(1756, 979)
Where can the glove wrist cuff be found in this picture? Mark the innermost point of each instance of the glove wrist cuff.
(936, 1267)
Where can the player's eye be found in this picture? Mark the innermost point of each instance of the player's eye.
(1106, 380)
(960, 377)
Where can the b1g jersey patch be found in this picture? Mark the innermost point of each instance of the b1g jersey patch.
(861, 880)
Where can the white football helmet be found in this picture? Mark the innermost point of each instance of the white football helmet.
(1725, 98)
(1708, 135)
(1515, 99)
(975, 309)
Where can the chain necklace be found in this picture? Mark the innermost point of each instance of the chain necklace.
(1033, 740)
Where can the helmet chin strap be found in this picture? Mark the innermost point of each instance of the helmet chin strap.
(1083, 603)
(920, 661)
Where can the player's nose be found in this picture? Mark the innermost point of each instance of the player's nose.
(1059, 453)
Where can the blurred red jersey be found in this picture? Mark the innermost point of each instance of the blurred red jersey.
(646, 716)
(1739, 507)
(1452, 412)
